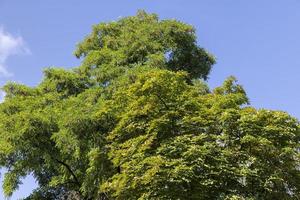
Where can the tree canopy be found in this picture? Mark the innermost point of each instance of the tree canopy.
(136, 120)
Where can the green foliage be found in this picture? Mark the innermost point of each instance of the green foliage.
(136, 121)
(143, 39)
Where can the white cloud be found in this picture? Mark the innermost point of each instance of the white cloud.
(10, 45)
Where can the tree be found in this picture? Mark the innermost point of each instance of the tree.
(137, 121)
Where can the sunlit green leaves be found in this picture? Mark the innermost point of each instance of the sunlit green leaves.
(137, 121)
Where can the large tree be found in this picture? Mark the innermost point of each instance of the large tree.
(137, 121)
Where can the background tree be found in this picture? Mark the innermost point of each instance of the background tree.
(137, 121)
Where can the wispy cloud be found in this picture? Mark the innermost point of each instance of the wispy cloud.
(10, 45)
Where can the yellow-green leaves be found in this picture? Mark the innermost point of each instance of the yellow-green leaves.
(135, 121)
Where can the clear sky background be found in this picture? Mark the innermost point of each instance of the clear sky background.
(257, 41)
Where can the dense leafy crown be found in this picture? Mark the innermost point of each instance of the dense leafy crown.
(142, 40)
(135, 121)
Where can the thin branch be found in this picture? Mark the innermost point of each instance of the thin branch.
(159, 97)
(70, 170)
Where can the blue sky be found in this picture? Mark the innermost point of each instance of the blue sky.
(256, 41)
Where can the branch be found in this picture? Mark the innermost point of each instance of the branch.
(159, 97)
(69, 169)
